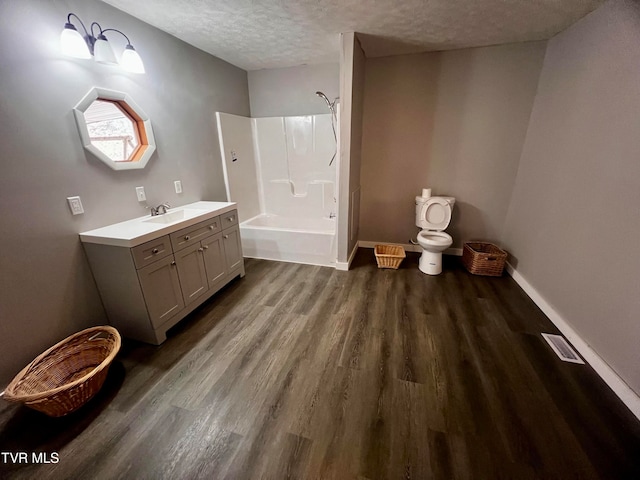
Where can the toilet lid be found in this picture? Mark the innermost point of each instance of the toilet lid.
(436, 213)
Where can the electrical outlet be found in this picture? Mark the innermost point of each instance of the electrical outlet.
(140, 194)
(178, 186)
(75, 205)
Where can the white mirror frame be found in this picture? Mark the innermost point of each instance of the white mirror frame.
(146, 148)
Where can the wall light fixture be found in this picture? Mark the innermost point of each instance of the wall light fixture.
(74, 44)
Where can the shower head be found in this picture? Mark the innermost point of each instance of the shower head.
(322, 95)
(334, 118)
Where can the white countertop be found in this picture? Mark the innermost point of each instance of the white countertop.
(143, 229)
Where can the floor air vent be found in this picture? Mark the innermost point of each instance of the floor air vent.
(562, 348)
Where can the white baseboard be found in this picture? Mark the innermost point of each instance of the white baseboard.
(408, 247)
(344, 266)
(628, 396)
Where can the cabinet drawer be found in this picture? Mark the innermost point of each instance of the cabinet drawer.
(229, 219)
(151, 251)
(193, 234)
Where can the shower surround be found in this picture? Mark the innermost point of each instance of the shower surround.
(277, 170)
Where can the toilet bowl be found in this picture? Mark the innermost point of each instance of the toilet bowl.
(433, 215)
(433, 243)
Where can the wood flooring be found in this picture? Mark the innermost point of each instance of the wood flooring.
(306, 372)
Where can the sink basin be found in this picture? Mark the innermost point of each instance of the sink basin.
(175, 216)
(137, 231)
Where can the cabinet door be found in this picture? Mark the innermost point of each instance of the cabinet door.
(232, 248)
(214, 260)
(161, 290)
(193, 277)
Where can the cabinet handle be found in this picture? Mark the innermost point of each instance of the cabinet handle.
(187, 237)
(201, 249)
(226, 236)
(205, 247)
(231, 219)
(173, 262)
(211, 227)
(154, 251)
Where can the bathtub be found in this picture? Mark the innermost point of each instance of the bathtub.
(287, 239)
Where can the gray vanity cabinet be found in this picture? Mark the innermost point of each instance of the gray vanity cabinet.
(231, 240)
(214, 259)
(149, 288)
(201, 266)
(232, 248)
(161, 289)
(192, 273)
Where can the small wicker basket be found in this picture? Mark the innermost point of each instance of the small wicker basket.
(66, 376)
(389, 256)
(483, 259)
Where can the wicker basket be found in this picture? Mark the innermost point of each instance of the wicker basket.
(483, 259)
(389, 256)
(69, 374)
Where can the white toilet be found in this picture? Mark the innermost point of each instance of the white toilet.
(433, 215)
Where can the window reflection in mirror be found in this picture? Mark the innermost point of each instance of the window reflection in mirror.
(112, 130)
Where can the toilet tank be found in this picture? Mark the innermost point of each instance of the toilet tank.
(451, 200)
(420, 201)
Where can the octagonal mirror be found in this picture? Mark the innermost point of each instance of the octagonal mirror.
(115, 129)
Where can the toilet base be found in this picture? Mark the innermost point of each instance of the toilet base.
(430, 262)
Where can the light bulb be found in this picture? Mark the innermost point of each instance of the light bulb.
(131, 61)
(102, 51)
(72, 43)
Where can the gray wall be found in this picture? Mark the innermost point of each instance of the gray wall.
(355, 157)
(453, 121)
(282, 92)
(47, 291)
(352, 74)
(573, 222)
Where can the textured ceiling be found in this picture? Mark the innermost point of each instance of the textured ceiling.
(255, 34)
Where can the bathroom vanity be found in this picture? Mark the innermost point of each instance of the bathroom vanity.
(153, 271)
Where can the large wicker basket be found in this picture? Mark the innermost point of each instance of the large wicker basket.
(66, 376)
(483, 259)
(389, 256)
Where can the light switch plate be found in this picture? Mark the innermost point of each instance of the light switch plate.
(178, 186)
(140, 194)
(75, 205)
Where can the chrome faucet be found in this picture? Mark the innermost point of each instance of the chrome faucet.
(160, 209)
